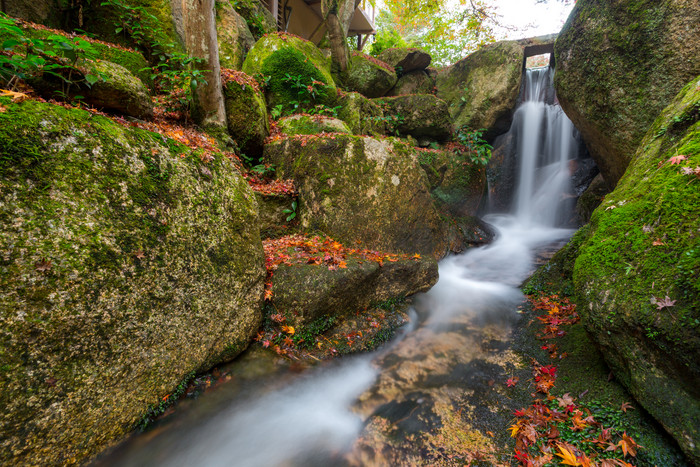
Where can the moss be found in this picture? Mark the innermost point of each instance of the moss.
(640, 249)
(369, 78)
(125, 269)
(247, 117)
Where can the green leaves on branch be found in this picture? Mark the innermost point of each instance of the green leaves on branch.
(473, 145)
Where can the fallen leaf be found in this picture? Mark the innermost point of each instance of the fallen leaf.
(625, 406)
(43, 265)
(568, 457)
(512, 381)
(657, 242)
(3, 109)
(677, 159)
(288, 329)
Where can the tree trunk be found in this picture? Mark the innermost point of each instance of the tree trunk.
(337, 15)
(199, 31)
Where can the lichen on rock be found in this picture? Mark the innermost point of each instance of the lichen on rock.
(128, 263)
(369, 77)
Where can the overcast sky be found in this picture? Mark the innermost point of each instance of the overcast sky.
(534, 19)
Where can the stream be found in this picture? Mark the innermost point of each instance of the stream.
(430, 395)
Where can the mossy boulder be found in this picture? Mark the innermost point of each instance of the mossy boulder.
(246, 113)
(271, 209)
(292, 64)
(591, 199)
(37, 11)
(233, 35)
(362, 191)
(619, 64)
(256, 15)
(369, 76)
(128, 264)
(405, 59)
(481, 90)
(414, 82)
(638, 272)
(423, 116)
(302, 124)
(362, 116)
(309, 292)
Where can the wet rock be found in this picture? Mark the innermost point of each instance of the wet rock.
(405, 59)
(591, 199)
(418, 115)
(618, 66)
(310, 292)
(369, 77)
(362, 191)
(481, 90)
(637, 273)
(125, 268)
(362, 116)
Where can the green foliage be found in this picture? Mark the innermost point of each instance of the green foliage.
(291, 213)
(305, 335)
(156, 410)
(473, 145)
(24, 57)
(386, 39)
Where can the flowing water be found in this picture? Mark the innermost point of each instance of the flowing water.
(430, 394)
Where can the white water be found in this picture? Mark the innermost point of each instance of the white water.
(314, 416)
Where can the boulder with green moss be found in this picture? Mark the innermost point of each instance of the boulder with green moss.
(246, 113)
(638, 272)
(233, 35)
(619, 64)
(128, 264)
(256, 15)
(291, 65)
(307, 292)
(301, 124)
(481, 90)
(369, 76)
(423, 116)
(362, 116)
(415, 82)
(362, 191)
(405, 59)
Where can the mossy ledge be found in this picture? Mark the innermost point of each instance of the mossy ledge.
(127, 264)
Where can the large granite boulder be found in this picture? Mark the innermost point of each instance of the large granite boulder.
(302, 124)
(422, 116)
(369, 76)
(291, 64)
(246, 113)
(233, 35)
(128, 264)
(405, 59)
(362, 191)
(481, 90)
(414, 82)
(638, 272)
(619, 64)
(256, 15)
(308, 292)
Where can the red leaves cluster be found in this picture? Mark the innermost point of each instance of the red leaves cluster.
(537, 430)
(234, 76)
(377, 62)
(560, 312)
(271, 187)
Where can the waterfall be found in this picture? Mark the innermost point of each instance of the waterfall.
(546, 143)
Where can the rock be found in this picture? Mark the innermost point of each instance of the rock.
(310, 292)
(362, 116)
(414, 82)
(362, 191)
(233, 35)
(591, 199)
(259, 19)
(481, 90)
(128, 264)
(273, 219)
(279, 56)
(638, 268)
(369, 76)
(37, 11)
(618, 65)
(405, 59)
(246, 113)
(418, 115)
(119, 90)
(311, 125)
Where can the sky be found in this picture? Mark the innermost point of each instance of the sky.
(534, 19)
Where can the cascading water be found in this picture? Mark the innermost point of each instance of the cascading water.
(311, 421)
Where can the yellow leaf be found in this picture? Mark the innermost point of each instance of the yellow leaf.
(514, 430)
(288, 329)
(568, 457)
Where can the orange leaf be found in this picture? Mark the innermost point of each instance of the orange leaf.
(268, 294)
(625, 406)
(288, 329)
(416, 256)
(568, 457)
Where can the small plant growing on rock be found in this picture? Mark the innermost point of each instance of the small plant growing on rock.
(471, 143)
